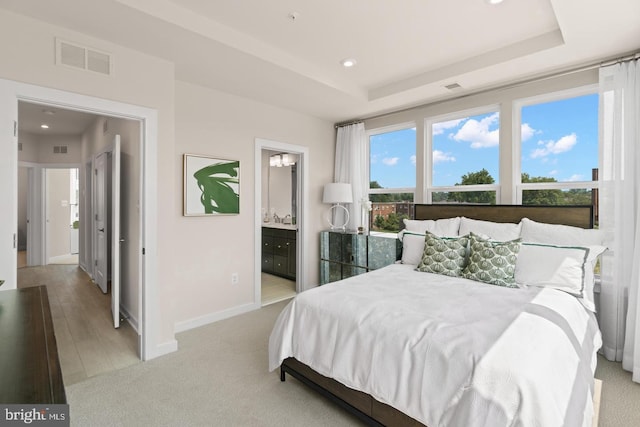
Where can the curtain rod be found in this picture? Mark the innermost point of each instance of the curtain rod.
(586, 67)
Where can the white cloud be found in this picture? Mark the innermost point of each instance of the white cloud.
(478, 133)
(413, 159)
(439, 128)
(527, 131)
(440, 157)
(390, 161)
(575, 177)
(553, 172)
(562, 145)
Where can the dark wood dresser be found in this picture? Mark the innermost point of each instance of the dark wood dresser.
(29, 364)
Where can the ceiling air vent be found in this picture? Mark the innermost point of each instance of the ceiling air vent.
(60, 149)
(82, 57)
(453, 86)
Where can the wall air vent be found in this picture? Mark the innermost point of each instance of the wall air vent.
(85, 58)
(453, 86)
(60, 149)
(19, 146)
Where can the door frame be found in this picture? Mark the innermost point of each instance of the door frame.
(302, 270)
(12, 91)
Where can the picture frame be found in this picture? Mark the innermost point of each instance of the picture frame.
(211, 186)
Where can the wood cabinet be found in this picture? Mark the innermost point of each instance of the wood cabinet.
(346, 254)
(279, 252)
(29, 364)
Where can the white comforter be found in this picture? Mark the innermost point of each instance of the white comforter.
(448, 351)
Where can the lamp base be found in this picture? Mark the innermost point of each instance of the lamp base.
(343, 226)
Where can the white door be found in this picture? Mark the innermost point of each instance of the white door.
(101, 222)
(116, 239)
(8, 188)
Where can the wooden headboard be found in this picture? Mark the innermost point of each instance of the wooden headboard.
(577, 216)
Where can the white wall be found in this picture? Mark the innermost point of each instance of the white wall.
(207, 250)
(195, 255)
(39, 148)
(137, 79)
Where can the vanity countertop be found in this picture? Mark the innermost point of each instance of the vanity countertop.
(279, 225)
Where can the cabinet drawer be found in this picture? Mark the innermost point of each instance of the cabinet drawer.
(267, 263)
(280, 264)
(281, 246)
(267, 244)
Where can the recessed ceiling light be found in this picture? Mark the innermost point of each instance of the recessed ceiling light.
(49, 112)
(348, 63)
(494, 1)
(43, 126)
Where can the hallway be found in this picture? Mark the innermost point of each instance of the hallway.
(88, 345)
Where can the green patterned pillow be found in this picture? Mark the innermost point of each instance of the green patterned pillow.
(443, 255)
(492, 262)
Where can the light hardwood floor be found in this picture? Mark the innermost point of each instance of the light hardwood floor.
(275, 289)
(88, 344)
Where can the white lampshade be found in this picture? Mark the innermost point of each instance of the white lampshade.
(337, 192)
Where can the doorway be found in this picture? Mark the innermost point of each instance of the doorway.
(281, 180)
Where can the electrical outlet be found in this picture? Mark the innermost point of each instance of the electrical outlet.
(234, 278)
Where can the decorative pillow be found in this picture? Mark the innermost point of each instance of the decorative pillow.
(443, 255)
(492, 262)
(447, 227)
(500, 231)
(566, 235)
(412, 237)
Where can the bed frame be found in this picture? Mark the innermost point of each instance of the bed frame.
(363, 405)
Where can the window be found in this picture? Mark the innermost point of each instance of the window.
(392, 176)
(559, 149)
(464, 152)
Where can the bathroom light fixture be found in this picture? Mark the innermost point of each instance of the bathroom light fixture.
(280, 160)
(348, 63)
(337, 193)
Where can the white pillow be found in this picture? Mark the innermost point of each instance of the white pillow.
(557, 234)
(560, 267)
(412, 247)
(566, 235)
(501, 231)
(446, 227)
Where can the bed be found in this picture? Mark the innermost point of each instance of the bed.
(398, 346)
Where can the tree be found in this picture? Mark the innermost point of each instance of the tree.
(473, 178)
(540, 197)
(379, 222)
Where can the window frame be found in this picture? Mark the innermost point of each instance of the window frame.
(518, 104)
(389, 129)
(429, 188)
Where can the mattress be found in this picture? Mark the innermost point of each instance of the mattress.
(448, 351)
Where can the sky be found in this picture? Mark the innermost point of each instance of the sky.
(559, 140)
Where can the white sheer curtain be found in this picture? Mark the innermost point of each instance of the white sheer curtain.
(620, 213)
(350, 167)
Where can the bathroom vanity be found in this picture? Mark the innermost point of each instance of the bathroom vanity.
(279, 250)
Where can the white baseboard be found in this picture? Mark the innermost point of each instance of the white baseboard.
(130, 318)
(185, 325)
(162, 349)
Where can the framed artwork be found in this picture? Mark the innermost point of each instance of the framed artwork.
(211, 186)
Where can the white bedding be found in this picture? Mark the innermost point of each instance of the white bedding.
(448, 351)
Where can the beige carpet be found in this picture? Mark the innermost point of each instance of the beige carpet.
(219, 378)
